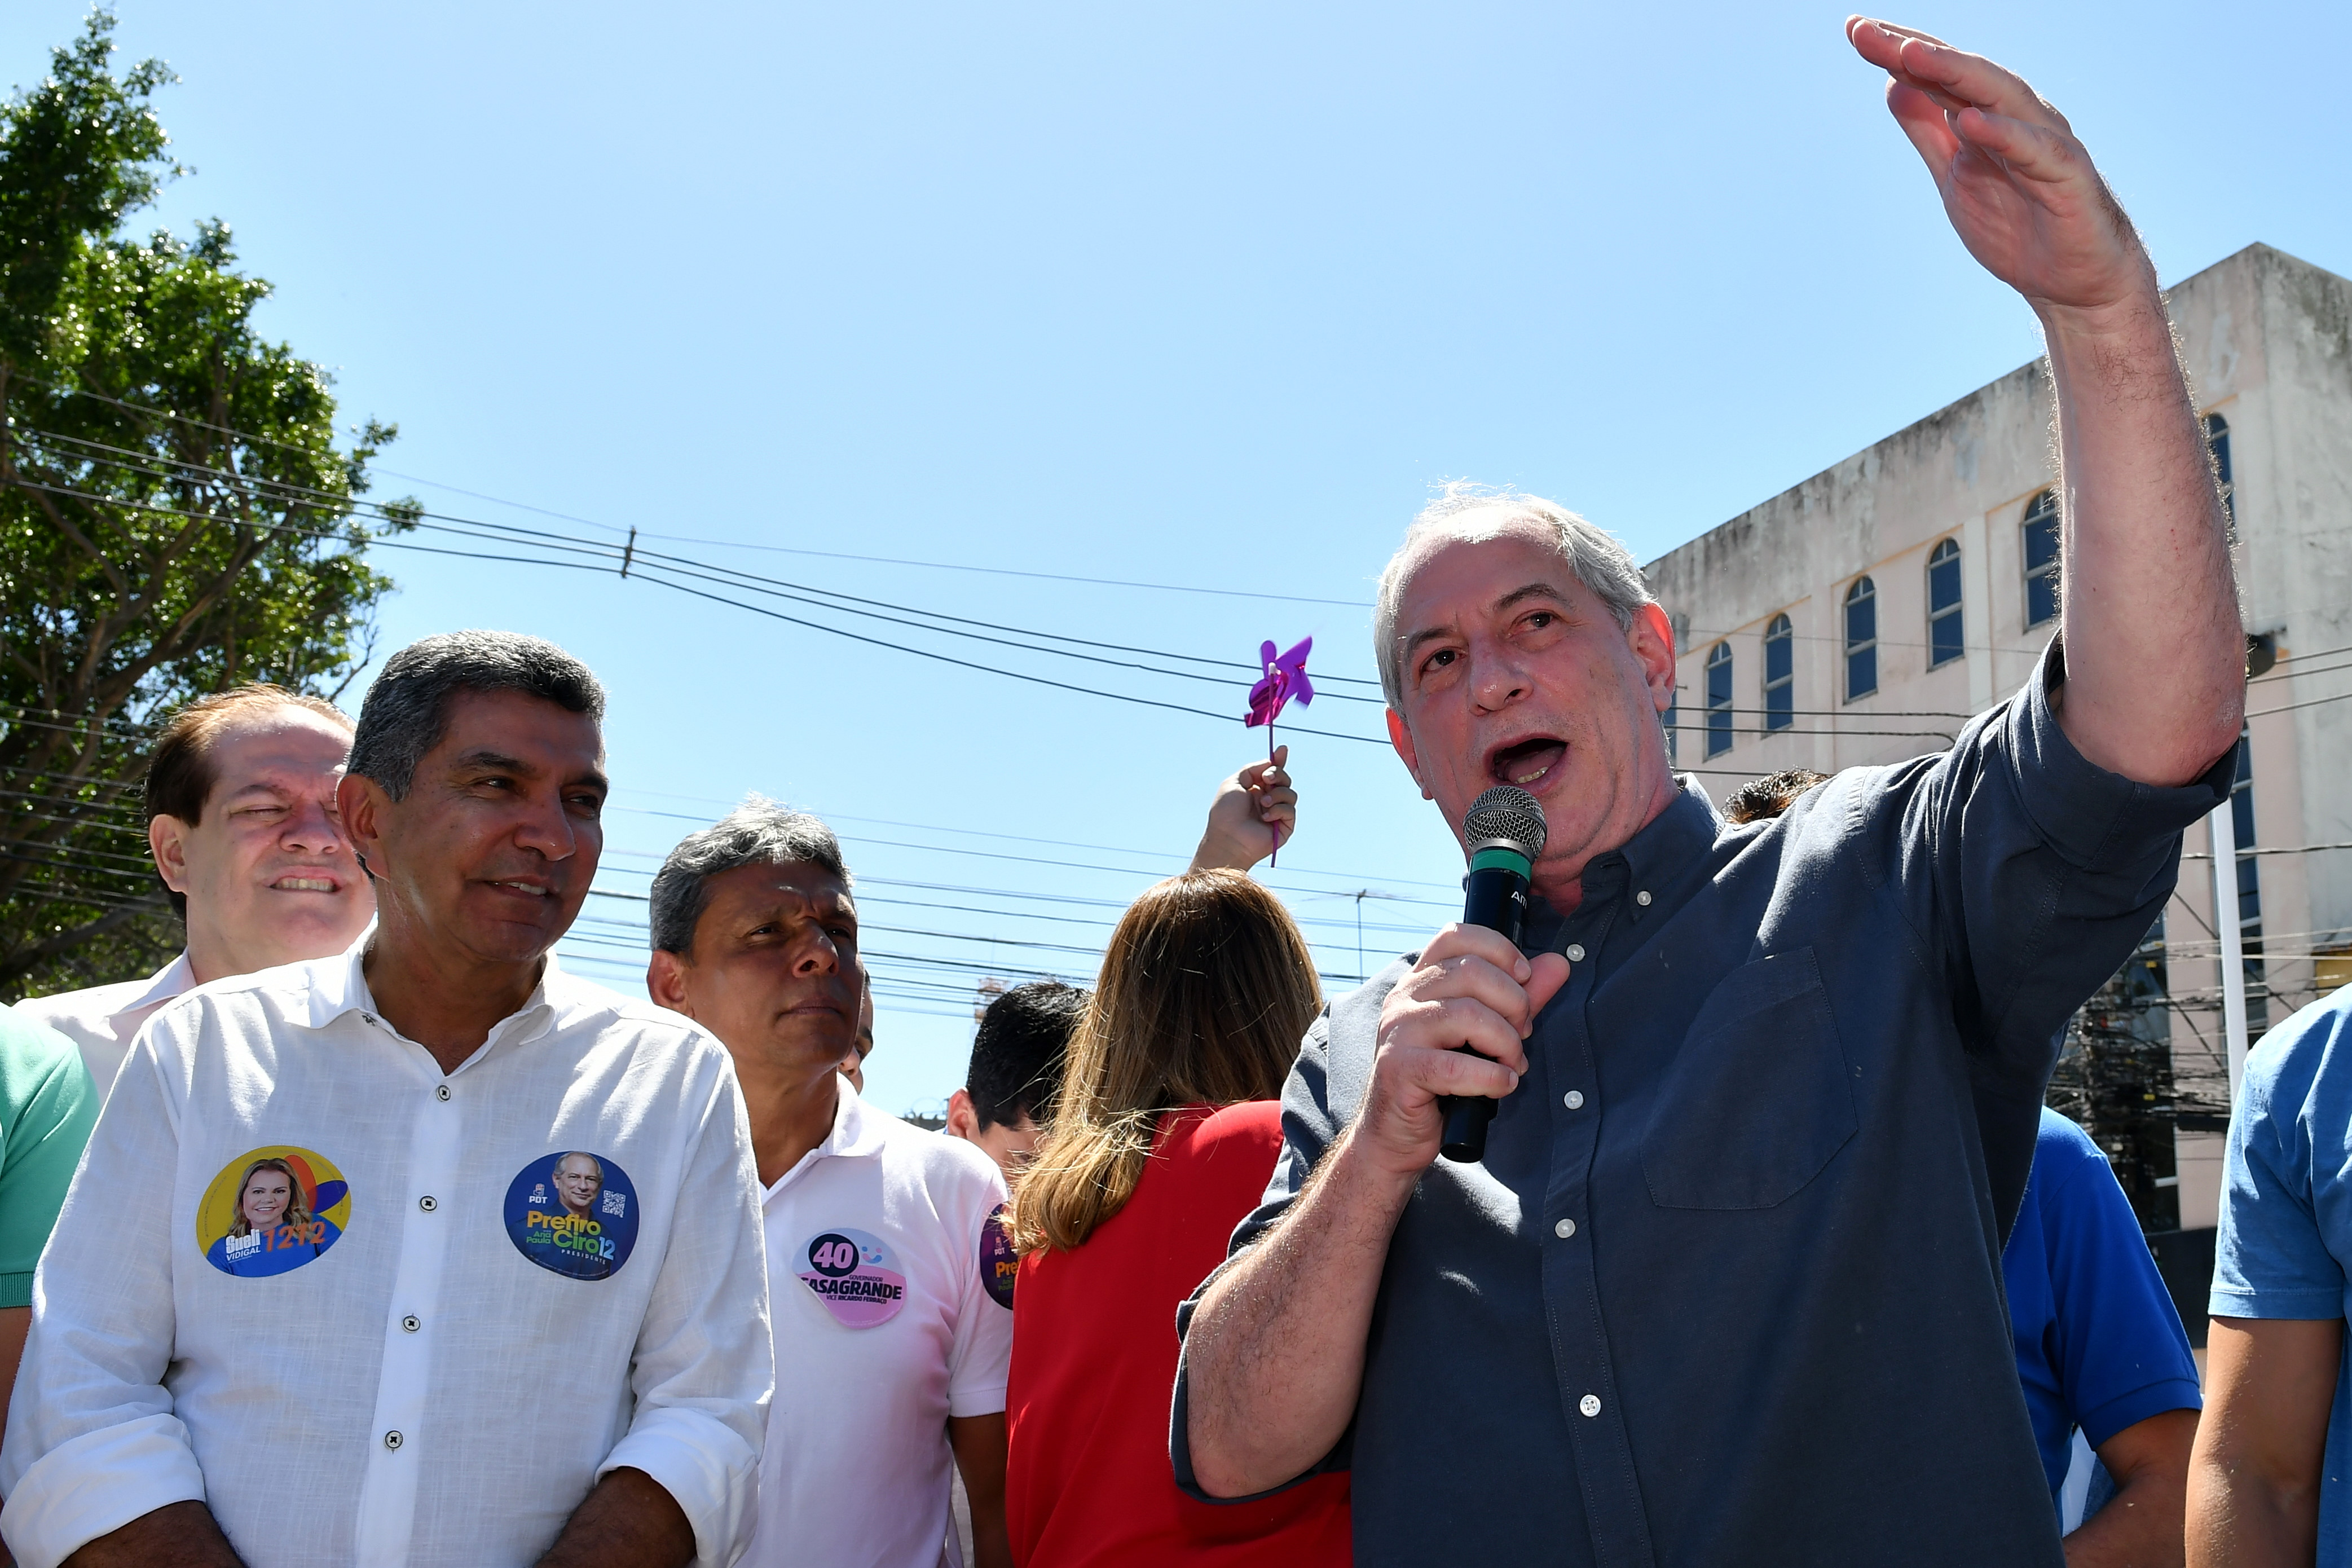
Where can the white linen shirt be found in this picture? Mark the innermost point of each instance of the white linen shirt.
(104, 1019)
(415, 1390)
(856, 1469)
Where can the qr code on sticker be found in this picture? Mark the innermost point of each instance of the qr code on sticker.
(616, 1203)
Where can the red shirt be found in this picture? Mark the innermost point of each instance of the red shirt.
(1094, 1363)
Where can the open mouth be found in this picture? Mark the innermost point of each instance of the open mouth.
(1527, 764)
(532, 890)
(306, 885)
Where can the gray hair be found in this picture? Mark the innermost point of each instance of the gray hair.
(757, 833)
(1599, 561)
(406, 710)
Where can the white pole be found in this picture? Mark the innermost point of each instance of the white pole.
(2222, 825)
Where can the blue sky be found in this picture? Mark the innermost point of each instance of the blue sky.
(1208, 297)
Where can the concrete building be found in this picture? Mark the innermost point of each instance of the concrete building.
(1862, 615)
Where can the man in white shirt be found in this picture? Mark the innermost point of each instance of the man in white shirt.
(891, 1346)
(421, 1357)
(241, 819)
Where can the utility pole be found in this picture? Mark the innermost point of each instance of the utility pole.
(2222, 825)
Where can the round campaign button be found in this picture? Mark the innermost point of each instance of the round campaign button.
(851, 1273)
(574, 1214)
(999, 1263)
(271, 1210)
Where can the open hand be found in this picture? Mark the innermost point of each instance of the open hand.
(1255, 814)
(2018, 188)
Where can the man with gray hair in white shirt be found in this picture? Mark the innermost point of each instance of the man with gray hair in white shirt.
(366, 1320)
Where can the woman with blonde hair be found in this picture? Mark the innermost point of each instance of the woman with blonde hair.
(1166, 1132)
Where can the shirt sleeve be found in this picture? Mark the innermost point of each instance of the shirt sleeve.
(2123, 1354)
(47, 1107)
(93, 1442)
(982, 1349)
(2027, 874)
(1311, 1122)
(2271, 1257)
(705, 1368)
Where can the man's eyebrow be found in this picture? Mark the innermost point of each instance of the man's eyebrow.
(1520, 595)
(596, 780)
(498, 762)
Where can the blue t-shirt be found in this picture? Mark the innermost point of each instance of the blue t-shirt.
(2099, 1343)
(2286, 1209)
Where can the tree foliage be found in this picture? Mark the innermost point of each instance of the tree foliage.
(175, 514)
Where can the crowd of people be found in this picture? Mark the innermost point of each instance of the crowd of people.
(395, 1243)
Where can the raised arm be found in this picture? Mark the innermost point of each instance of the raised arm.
(1256, 813)
(2148, 580)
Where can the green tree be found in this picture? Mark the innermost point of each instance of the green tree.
(174, 513)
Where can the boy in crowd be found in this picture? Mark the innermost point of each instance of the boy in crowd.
(241, 821)
(1016, 1072)
(878, 1234)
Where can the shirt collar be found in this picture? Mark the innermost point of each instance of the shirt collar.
(857, 1129)
(162, 986)
(1669, 842)
(339, 985)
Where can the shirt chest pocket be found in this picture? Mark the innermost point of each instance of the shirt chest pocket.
(1759, 1098)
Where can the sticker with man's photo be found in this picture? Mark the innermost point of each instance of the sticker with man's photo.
(271, 1210)
(573, 1212)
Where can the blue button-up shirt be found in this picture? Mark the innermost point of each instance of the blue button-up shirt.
(1726, 1288)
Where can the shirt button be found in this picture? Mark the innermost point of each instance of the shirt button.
(1564, 1229)
(1573, 1099)
(428, 1203)
(412, 1323)
(1643, 898)
(1590, 1405)
(1576, 952)
(392, 1439)
(441, 1091)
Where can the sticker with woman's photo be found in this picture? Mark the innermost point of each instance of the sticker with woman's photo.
(272, 1210)
(573, 1214)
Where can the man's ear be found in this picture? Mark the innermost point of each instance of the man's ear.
(360, 801)
(167, 840)
(963, 1121)
(1401, 739)
(665, 975)
(1651, 638)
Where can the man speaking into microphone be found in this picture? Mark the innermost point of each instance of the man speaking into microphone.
(1724, 1288)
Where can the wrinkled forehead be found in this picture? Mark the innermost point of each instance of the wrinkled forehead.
(576, 1165)
(285, 745)
(1471, 561)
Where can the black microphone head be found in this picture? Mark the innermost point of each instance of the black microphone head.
(1505, 816)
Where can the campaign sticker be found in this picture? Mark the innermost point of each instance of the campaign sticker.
(999, 1263)
(850, 1272)
(574, 1214)
(271, 1210)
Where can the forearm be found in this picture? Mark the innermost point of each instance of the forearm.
(182, 1535)
(1275, 1355)
(2147, 578)
(978, 1445)
(2240, 1519)
(629, 1521)
(2139, 1527)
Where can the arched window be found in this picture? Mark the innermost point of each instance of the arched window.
(1861, 638)
(1779, 674)
(2217, 441)
(1718, 700)
(2040, 559)
(1945, 642)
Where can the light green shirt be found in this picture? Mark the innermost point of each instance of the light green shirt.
(47, 1106)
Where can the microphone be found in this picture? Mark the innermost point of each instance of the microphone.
(1506, 833)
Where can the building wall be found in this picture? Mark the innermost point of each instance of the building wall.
(2267, 342)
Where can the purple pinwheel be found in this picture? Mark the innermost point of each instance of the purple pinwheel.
(1285, 677)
